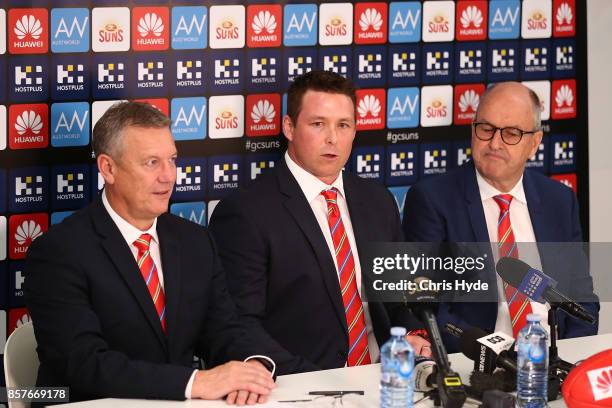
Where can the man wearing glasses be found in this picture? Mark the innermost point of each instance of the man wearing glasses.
(493, 198)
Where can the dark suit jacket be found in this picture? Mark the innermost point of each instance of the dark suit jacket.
(448, 208)
(94, 319)
(282, 275)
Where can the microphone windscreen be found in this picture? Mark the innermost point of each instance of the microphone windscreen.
(468, 342)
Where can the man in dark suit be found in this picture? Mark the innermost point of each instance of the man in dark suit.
(493, 198)
(290, 243)
(122, 294)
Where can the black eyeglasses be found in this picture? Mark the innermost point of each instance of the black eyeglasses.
(510, 135)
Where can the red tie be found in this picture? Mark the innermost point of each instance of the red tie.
(517, 302)
(358, 337)
(149, 274)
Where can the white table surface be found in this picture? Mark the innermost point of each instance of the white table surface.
(366, 378)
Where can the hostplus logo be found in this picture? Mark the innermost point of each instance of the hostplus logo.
(404, 60)
(403, 108)
(227, 71)
(300, 24)
(371, 23)
(29, 78)
(28, 187)
(463, 155)
(259, 164)
(189, 28)
(28, 126)
(150, 26)
(192, 211)
(564, 21)
(264, 25)
(150, 74)
(370, 68)
(190, 179)
(564, 58)
(536, 60)
(226, 117)
(538, 160)
(536, 22)
(189, 118)
(467, 98)
(263, 115)
(70, 78)
(368, 162)
(28, 31)
(402, 167)
(189, 74)
(70, 187)
(69, 30)
(264, 69)
(503, 57)
(227, 27)
(111, 77)
(370, 109)
(336, 59)
(472, 20)
(435, 160)
(70, 124)
(437, 63)
(226, 175)
(504, 18)
(471, 67)
(298, 62)
(564, 152)
(111, 29)
(405, 22)
(564, 94)
(438, 21)
(23, 230)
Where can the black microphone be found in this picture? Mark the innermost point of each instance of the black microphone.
(539, 287)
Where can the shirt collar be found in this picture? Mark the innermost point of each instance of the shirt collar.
(311, 186)
(487, 191)
(130, 233)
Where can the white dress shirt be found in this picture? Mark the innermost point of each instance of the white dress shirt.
(524, 238)
(312, 188)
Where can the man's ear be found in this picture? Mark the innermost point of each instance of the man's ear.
(107, 168)
(288, 127)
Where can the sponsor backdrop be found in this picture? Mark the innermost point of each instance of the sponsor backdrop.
(221, 69)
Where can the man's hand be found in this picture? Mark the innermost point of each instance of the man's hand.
(420, 345)
(248, 382)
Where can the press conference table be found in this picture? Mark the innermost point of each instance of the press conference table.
(366, 378)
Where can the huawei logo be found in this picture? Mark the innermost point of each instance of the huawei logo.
(263, 110)
(28, 120)
(27, 232)
(264, 20)
(369, 105)
(28, 25)
(471, 16)
(150, 24)
(371, 18)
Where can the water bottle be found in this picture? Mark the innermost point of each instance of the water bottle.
(532, 378)
(397, 365)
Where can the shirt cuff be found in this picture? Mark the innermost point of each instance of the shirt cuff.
(190, 385)
(419, 332)
(271, 366)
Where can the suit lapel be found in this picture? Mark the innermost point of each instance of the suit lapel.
(170, 256)
(121, 256)
(539, 217)
(358, 211)
(474, 203)
(302, 213)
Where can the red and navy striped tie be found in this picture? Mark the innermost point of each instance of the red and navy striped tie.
(149, 274)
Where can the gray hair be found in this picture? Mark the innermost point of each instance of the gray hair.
(107, 135)
(533, 98)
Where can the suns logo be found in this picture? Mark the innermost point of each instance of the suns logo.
(227, 31)
(226, 120)
(537, 21)
(335, 28)
(110, 33)
(437, 109)
(439, 24)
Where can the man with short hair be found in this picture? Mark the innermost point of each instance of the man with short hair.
(123, 294)
(493, 198)
(290, 243)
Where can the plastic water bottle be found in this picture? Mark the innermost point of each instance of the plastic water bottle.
(397, 365)
(532, 379)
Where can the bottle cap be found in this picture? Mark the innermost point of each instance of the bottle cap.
(398, 331)
(532, 317)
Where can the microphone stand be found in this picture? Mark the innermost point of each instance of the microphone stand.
(558, 369)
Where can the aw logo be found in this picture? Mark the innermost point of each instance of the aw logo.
(70, 124)
(536, 21)
(438, 21)
(150, 28)
(371, 22)
(190, 179)
(437, 63)
(436, 105)
(336, 59)
(227, 28)
(542, 89)
(194, 211)
(70, 186)
(503, 61)
(434, 159)
(189, 28)
(368, 162)
(69, 77)
(564, 65)
(29, 78)
(264, 67)
(467, 98)
(472, 20)
(150, 74)
(370, 109)
(539, 161)
(189, 118)
(399, 195)
(264, 25)
(111, 29)
(564, 94)
(504, 19)
(402, 165)
(336, 24)
(403, 108)
(462, 153)
(28, 188)
(161, 104)
(563, 158)
(471, 62)
(564, 20)
(28, 126)
(370, 66)
(404, 65)
(263, 115)
(405, 22)
(69, 30)
(536, 59)
(299, 62)
(28, 30)
(23, 230)
(226, 115)
(569, 180)
(110, 76)
(189, 73)
(226, 172)
(258, 164)
(300, 24)
(228, 72)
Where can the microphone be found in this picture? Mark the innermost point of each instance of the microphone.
(539, 287)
